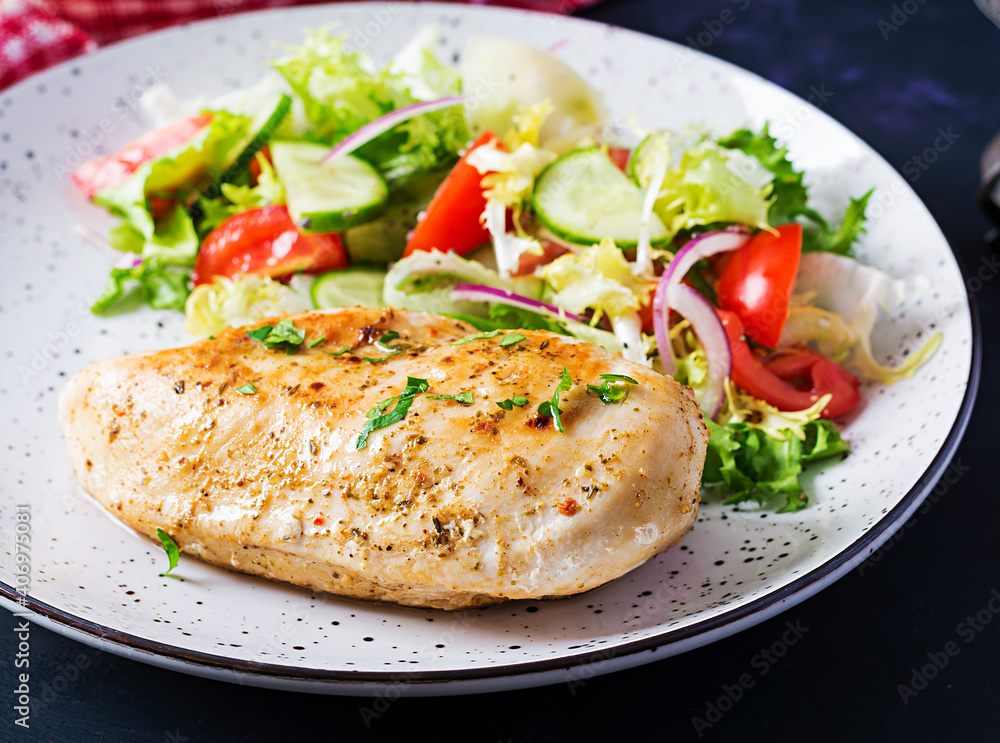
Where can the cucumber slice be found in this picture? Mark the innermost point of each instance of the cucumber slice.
(348, 288)
(331, 196)
(583, 197)
(638, 170)
(265, 124)
(383, 240)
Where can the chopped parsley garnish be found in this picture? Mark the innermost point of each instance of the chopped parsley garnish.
(550, 408)
(317, 341)
(247, 389)
(510, 402)
(380, 408)
(283, 335)
(510, 339)
(341, 352)
(612, 394)
(618, 378)
(383, 345)
(383, 342)
(465, 398)
(378, 418)
(477, 337)
(170, 547)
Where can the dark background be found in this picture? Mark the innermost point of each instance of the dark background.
(939, 69)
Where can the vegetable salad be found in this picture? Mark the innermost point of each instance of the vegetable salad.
(335, 182)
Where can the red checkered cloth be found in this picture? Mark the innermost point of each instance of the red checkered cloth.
(31, 39)
(35, 34)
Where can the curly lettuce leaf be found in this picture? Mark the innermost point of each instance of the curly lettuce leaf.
(161, 287)
(750, 465)
(162, 274)
(342, 90)
(212, 307)
(599, 278)
(710, 185)
(791, 196)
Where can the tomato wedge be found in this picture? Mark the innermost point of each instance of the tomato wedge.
(255, 164)
(265, 242)
(452, 220)
(756, 282)
(620, 157)
(100, 173)
(771, 382)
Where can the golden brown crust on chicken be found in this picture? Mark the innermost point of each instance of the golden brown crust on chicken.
(453, 506)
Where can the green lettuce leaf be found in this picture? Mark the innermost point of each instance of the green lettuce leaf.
(164, 273)
(342, 90)
(162, 287)
(750, 465)
(177, 171)
(840, 241)
(708, 187)
(791, 195)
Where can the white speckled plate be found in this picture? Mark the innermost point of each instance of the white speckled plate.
(94, 580)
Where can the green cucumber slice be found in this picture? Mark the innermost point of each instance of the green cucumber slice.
(583, 197)
(331, 196)
(265, 123)
(636, 157)
(349, 288)
(383, 240)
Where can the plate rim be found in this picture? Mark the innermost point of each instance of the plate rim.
(192, 661)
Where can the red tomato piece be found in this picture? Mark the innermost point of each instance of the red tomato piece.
(792, 364)
(766, 382)
(255, 166)
(266, 242)
(451, 221)
(528, 262)
(829, 377)
(620, 157)
(756, 282)
(99, 173)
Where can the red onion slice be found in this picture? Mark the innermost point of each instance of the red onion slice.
(381, 125)
(697, 249)
(711, 333)
(484, 293)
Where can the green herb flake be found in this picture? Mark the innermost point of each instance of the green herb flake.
(618, 378)
(477, 337)
(170, 547)
(377, 418)
(387, 338)
(510, 339)
(550, 408)
(283, 335)
(317, 341)
(380, 408)
(464, 398)
(383, 345)
(247, 389)
(261, 333)
(510, 402)
(341, 352)
(612, 394)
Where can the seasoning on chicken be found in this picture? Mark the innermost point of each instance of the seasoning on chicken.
(363, 452)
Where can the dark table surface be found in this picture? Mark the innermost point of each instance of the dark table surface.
(896, 84)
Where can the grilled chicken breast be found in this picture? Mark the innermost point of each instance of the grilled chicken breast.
(248, 457)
